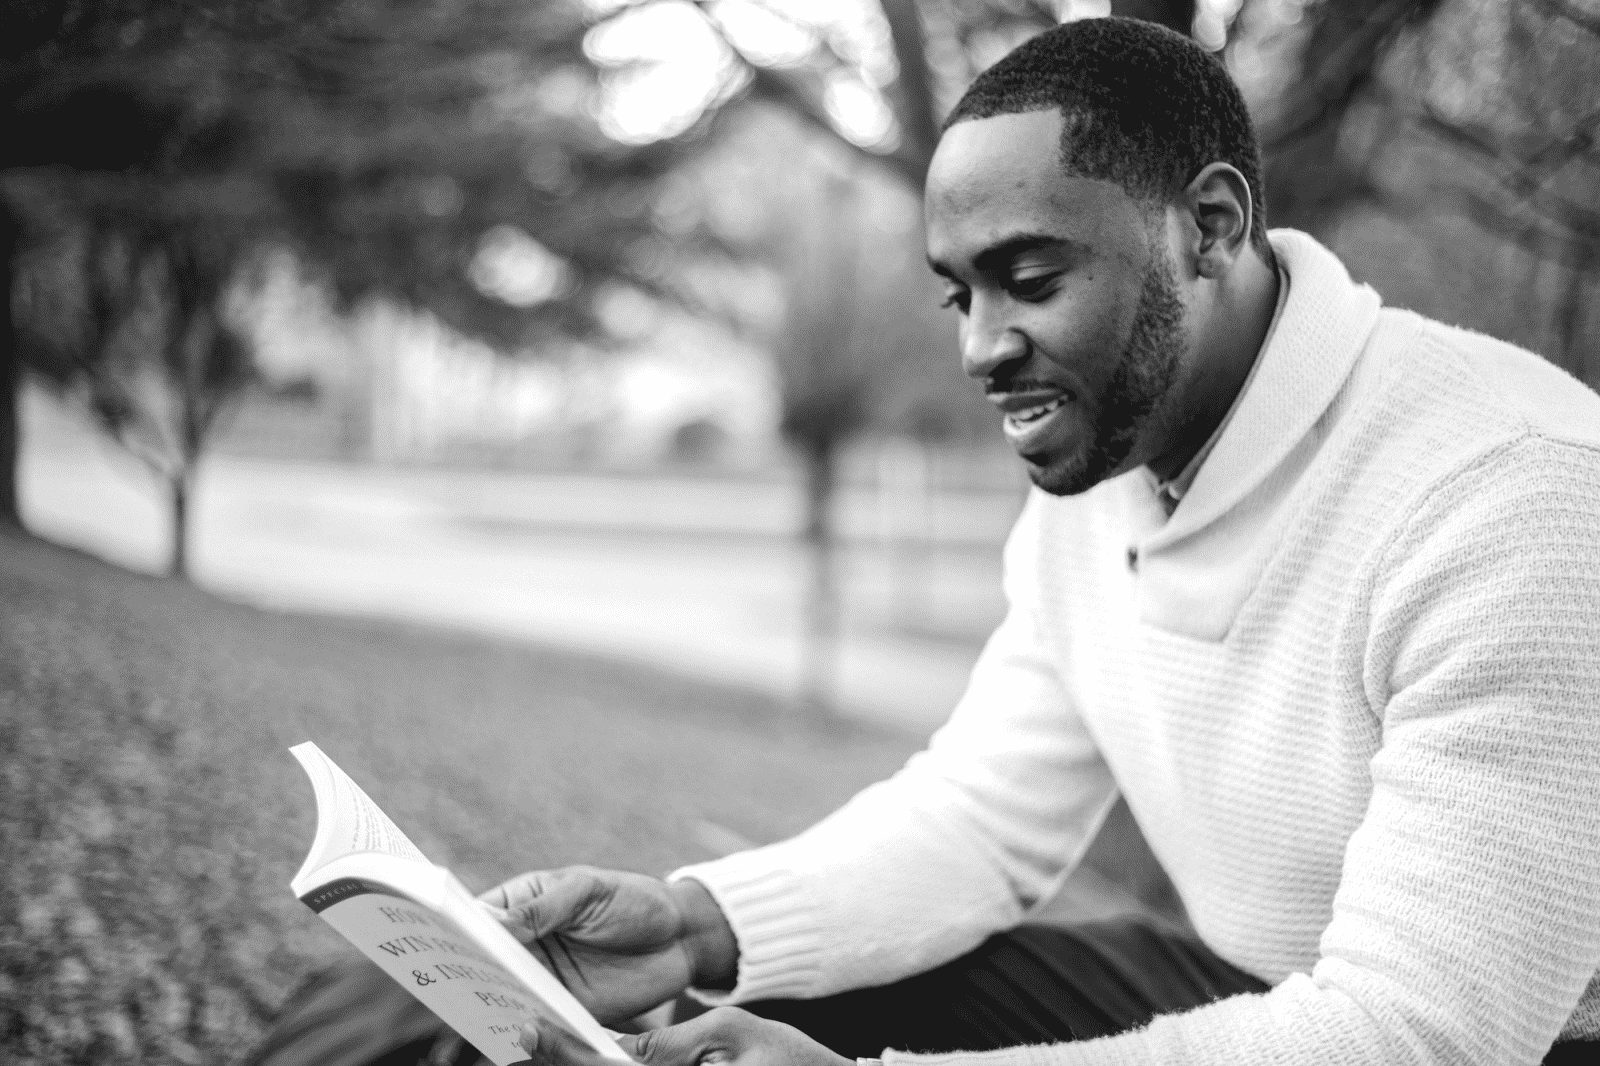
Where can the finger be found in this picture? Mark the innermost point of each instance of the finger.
(548, 1041)
(502, 895)
(537, 904)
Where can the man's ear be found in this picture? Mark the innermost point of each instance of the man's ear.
(1219, 207)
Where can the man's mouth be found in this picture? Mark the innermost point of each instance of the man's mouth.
(1030, 415)
(1033, 414)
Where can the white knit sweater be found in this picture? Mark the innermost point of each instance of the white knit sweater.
(1351, 692)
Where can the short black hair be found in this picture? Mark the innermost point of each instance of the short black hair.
(1143, 107)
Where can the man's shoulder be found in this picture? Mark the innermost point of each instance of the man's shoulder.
(1459, 422)
(1487, 390)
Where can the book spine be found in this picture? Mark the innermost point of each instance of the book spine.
(320, 899)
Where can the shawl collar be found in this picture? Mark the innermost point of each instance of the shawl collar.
(1325, 324)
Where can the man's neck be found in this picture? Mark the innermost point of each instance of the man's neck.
(1228, 347)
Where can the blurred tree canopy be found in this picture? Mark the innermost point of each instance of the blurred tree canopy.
(860, 345)
(1448, 150)
(384, 142)
(1445, 147)
(153, 151)
(134, 318)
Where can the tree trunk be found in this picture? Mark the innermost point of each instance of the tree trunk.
(180, 486)
(819, 652)
(10, 378)
(918, 114)
(905, 500)
(1173, 14)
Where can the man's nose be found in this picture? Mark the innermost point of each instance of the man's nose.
(984, 349)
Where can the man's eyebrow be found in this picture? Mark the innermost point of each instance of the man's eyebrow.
(999, 255)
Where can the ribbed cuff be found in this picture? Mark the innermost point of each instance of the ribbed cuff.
(1032, 1055)
(775, 924)
(1108, 1051)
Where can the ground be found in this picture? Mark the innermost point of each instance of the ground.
(150, 816)
(698, 573)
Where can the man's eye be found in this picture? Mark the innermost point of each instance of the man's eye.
(1031, 286)
(957, 298)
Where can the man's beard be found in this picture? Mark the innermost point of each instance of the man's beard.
(1140, 380)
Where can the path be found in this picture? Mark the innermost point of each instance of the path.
(696, 575)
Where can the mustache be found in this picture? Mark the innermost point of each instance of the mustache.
(1003, 384)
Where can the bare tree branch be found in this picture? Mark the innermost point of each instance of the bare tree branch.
(1336, 77)
(1588, 21)
(1506, 200)
(1523, 177)
(914, 88)
(790, 90)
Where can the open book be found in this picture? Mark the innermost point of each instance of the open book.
(423, 927)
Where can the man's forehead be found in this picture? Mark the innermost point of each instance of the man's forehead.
(995, 177)
(981, 158)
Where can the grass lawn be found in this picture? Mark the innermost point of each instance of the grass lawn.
(150, 818)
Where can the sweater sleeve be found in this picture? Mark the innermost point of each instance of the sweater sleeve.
(1467, 920)
(919, 869)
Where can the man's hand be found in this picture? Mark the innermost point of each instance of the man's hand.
(621, 942)
(726, 1036)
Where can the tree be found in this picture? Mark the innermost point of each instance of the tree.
(382, 142)
(840, 359)
(131, 315)
(81, 99)
(27, 29)
(863, 347)
(827, 397)
(206, 82)
(1447, 150)
(937, 48)
(844, 301)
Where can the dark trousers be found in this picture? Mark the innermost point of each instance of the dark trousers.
(1037, 985)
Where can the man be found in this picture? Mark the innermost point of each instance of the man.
(1313, 583)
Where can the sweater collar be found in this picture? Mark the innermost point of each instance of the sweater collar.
(1171, 492)
(1324, 324)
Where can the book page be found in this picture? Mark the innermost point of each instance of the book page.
(473, 918)
(436, 962)
(422, 926)
(348, 822)
(424, 929)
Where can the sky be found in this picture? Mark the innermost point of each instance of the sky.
(669, 60)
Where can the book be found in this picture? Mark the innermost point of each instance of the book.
(366, 878)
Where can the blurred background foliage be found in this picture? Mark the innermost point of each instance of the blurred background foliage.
(558, 179)
(406, 149)
(1446, 149)
(553, 181)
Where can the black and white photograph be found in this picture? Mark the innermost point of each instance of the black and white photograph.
(800, 533)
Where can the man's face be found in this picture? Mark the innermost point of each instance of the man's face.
(1071, 316)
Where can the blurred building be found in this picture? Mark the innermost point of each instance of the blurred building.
(391, 384)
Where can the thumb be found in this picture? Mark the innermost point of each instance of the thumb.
(671, 1046)
(690, 1043)
(549, 1042)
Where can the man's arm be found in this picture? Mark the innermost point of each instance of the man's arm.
(912, 872)
(919, 869)
(1467, 921)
